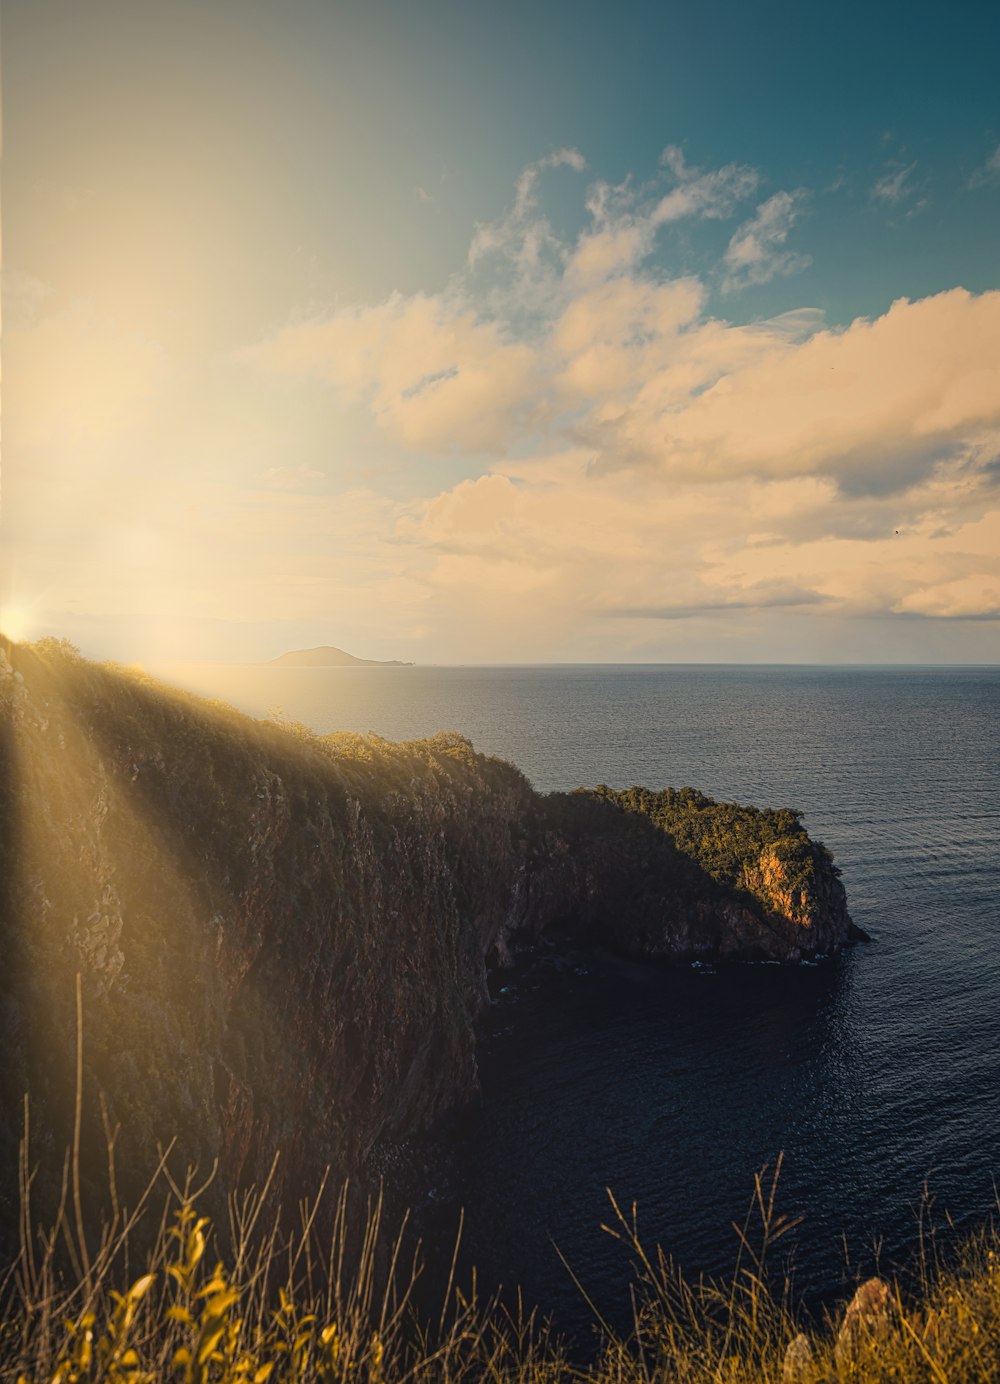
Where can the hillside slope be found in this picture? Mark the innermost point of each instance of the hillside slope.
(283, 939)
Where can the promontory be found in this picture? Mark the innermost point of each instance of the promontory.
(283, 941)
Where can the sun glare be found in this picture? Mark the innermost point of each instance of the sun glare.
(15, 622)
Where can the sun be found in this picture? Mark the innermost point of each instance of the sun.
(15, 622)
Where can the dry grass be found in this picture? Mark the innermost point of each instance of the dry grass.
(158, 1297)
(945, 1328)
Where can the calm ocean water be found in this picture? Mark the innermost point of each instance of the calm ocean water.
(873, 1074)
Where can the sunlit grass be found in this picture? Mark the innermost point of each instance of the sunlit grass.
(273, 1304)
(166, 1295)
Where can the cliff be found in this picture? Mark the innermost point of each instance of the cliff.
(713, 880)
(283, 939)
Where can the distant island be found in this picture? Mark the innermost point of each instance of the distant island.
(328, 657)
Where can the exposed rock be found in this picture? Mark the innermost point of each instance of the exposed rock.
(798, 1361)
(867, 1316)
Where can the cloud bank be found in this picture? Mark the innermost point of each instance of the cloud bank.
(573, 449)
(635, 456)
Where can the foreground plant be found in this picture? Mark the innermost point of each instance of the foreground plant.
(273, 1308)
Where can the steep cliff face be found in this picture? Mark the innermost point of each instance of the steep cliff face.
(709, 879)
(283, 939)
(282, 942)
(816, 909)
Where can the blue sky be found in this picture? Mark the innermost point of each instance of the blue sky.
(295, 353)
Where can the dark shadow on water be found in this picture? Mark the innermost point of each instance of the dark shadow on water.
(671, 1087)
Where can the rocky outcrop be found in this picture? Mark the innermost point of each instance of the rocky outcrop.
(866, 1320)
(706, 880)
(607, 870)
(863, 1332)
(283, 940)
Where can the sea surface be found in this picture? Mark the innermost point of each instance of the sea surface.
(876, 1075)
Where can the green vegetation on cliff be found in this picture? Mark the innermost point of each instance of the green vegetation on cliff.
(721, 837)
(765, 851)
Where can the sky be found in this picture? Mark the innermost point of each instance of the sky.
(461, 333)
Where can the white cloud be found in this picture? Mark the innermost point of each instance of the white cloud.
(714, 195)
(707, 472)
(651, 463)
(624, 222)
(522, 235)
(578, 457)
(564, 158)
(765, 594)
(875, 406)
(894, 186)
(756, 252)
(435, 376)
(989, 172)
(624, 361)
(553, 548)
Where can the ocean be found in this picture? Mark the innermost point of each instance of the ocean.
(876, 1075)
